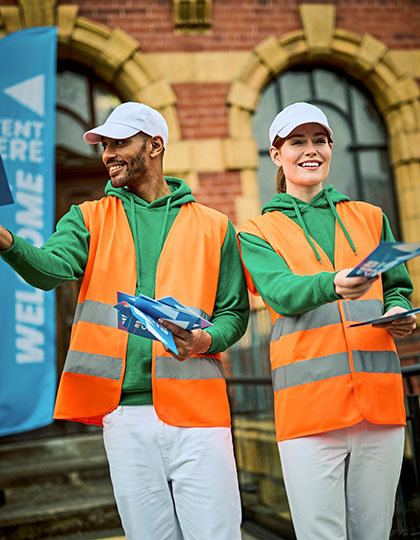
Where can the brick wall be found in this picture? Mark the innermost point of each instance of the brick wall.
(239, 25)
(219, 190)
(202, 110)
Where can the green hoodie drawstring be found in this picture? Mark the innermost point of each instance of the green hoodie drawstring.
(305, 230)
(165, 222)
(133, 221)
(337, 217)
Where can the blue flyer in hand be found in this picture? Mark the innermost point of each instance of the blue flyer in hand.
(386, 256)
(139, 315)
(389, 318)
(5, 193)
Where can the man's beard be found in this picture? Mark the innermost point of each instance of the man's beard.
(135, 170)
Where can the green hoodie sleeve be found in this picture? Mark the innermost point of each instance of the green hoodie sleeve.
(287, 293)
(63, 257)
(396, 282)
(291, 295)
(231, 310)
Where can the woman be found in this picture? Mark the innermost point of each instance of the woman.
(338, 391)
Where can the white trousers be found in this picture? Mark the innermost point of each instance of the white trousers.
(171, 483)
(341, 484)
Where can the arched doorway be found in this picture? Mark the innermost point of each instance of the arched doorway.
(360, 166)
(83, 101)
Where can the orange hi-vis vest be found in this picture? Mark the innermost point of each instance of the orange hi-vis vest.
(190, 393)
(325, 374)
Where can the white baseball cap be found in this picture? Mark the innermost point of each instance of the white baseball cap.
(295, 115)
(128, 119)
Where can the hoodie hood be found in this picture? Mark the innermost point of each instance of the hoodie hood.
(295, 208)
(180, 194)
(287, 204)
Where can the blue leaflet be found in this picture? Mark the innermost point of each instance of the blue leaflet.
(385, 256)
(139, 314)
(5, 193)
(381, 320)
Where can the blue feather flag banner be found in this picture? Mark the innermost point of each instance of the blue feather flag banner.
(27, 147)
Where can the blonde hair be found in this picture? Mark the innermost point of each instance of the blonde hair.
(280, 177)
(280, 181)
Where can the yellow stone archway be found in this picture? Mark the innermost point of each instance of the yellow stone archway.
(111, 54)
(395, 93)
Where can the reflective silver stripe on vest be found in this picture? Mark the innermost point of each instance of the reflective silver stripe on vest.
(355, 310)
(316, 318)
(199, 312)
(96, 312)
(363, 310)
(97, 365)
(168, 367)
(326, 367)
(307, 371)
(376, 362)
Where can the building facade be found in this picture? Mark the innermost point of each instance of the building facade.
(206, 65)
(219, 70)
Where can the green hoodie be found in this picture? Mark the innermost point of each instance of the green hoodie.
(292, 295)
(63, 257)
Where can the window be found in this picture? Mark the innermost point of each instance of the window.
(360, 166)
(82, 102)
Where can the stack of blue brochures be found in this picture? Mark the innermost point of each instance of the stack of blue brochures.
(139, 315)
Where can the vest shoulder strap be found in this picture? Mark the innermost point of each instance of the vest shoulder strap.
(372, 215)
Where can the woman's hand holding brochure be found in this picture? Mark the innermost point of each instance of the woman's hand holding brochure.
(398, 321)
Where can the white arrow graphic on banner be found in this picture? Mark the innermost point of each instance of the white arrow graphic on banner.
(29, 93)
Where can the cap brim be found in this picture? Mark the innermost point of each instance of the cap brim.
(113, 131)
(287, 130)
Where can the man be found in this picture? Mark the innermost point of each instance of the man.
(166, 417)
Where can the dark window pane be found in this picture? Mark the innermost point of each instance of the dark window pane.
(104, 103)
(343, 170)
(294, 86)
(264, 116)
(367, 123)
(73, 93)
(327, 83)
(69, 133)
(82, 102)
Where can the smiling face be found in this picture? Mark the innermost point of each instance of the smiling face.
(125, 159)
(305, 156)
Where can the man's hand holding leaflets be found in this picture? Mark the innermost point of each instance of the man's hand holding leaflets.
(397, 320)
(177, 327)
